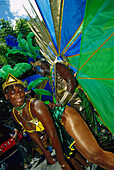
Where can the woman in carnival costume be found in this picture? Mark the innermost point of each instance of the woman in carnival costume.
(34, 115)
(26, 48)
(67, 91)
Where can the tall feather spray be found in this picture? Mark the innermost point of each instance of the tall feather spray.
(17, 71)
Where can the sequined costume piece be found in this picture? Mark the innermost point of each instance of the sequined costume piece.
(66, 140)
(58, 84)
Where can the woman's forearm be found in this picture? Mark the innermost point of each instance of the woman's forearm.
(57, 146)
(35, 137)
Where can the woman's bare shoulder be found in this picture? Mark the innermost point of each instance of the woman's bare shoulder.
(33, 101)
(37, 106)
(36, 102)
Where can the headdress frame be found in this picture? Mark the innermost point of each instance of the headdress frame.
(11, 80)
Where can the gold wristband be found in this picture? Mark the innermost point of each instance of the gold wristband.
(62, 166)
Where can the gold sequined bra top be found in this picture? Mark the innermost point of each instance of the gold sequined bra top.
(38, 124)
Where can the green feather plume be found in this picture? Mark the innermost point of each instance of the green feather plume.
(26, 48)
(35, 83)
(21, 68)
(22, 43)
(16, 71)
(42, 92)
(34, 50)
(15, 51)
(5, 70)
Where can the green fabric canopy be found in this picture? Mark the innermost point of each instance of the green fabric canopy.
(96, 62)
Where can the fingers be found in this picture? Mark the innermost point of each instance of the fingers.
(51, 160)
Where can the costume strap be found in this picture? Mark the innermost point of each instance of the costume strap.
(30, 131)
(16, 118)
(39, 127)
(29, 108)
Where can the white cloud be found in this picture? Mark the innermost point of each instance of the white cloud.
(16, 8)
(13, 21)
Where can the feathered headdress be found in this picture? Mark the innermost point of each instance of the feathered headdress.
(10, 74)
(16, 71)
(57, 35)
(11, 80)
(34, 84)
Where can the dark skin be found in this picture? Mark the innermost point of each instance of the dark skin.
(76, 126)
(16, 96)
(63, 72)
(73, 123)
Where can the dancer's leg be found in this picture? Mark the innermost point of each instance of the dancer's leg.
(85, 141)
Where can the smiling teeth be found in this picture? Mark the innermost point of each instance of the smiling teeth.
(18, 100)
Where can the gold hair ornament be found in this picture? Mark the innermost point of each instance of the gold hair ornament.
(10, 81)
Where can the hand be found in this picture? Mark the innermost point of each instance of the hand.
(15, 136)
(49, 158)
(67, 167)
(53, 105)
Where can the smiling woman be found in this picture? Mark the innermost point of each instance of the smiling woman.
(16, 95)
(27, 111)
(14, 91)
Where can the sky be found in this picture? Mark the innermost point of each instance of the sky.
(11, 10)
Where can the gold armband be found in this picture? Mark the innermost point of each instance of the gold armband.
(66, 97)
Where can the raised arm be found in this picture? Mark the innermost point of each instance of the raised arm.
(65, 73)
(40, 111)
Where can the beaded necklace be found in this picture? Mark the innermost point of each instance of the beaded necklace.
(20, 108)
